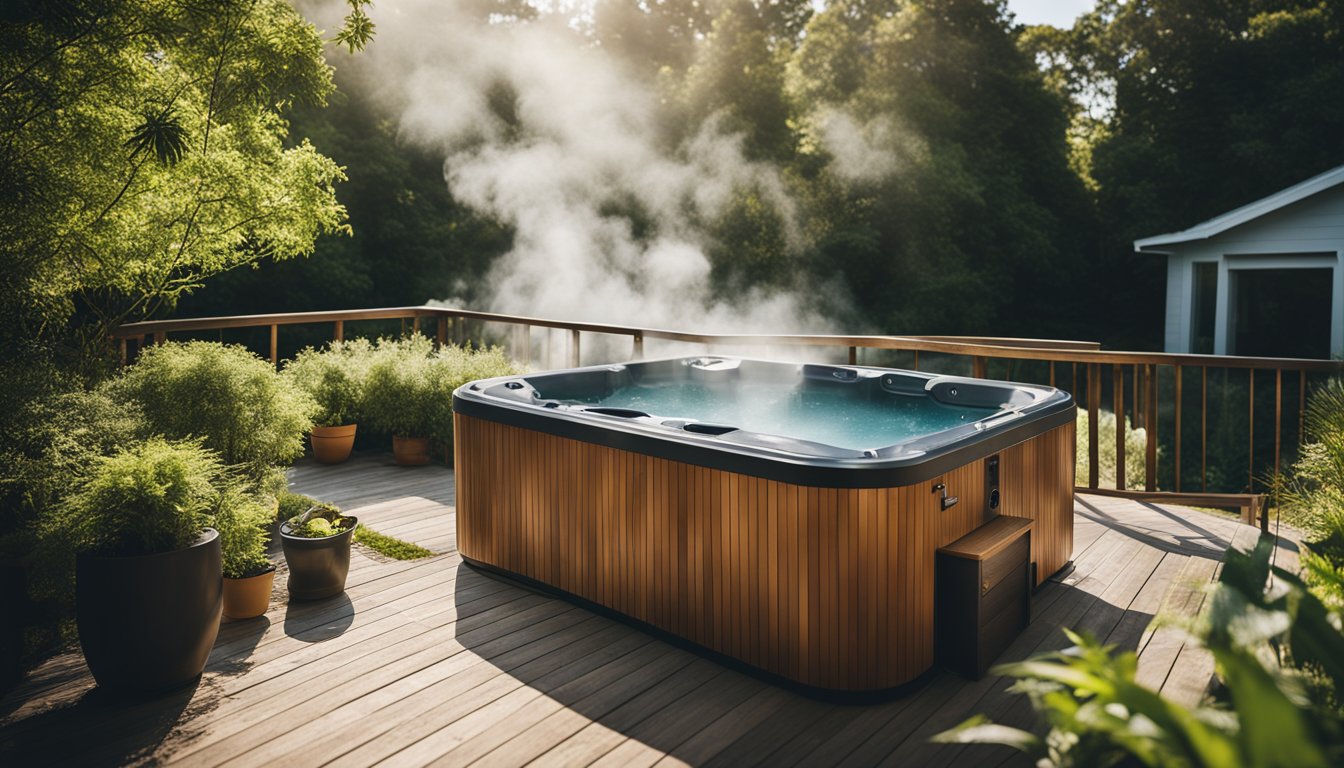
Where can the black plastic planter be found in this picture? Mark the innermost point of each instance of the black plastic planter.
(317, 567)
(147, 623)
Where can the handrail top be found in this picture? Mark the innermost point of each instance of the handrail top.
(1049, 350)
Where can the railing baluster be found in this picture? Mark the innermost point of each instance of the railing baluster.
(123, 350)
(339, 334)
(415, 324)
(1204, 429)
(1052, 373)
(916, 359)
(1301, 409)
(574, 356)
(1138, 404)
(1278, 416)
(1150, 423)
(440, 332)
(853, 355)
(639, 345)
(527, 345)
(1250, 473)
(1093, 429)
(1178, 429)
(980, 367)
(1118, 404)
(275, 346)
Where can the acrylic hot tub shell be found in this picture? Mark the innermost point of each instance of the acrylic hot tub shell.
(816, 569)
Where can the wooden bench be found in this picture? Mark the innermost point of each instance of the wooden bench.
(1253, 507)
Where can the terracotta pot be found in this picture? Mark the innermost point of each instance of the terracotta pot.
(147, 623)
(331, 445)
(317, 567)
(410, 451)
(248, 597)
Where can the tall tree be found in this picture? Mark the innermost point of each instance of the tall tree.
(142, 150)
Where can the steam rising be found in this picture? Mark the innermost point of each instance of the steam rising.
(547, 133)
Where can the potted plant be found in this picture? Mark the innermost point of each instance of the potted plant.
(243, 522)
(148, 587)
(334, 379)
(317, 551)
(399, 397)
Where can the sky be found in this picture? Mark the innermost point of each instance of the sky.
(1060, 13)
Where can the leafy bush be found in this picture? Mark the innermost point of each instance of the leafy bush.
(410, 385)
(228, 397)
(1311, 495)
(156, 496)
(1280, 655)
(1136, 442)
(243, 522)
(54, 442)
(291, 505)
(335, 378)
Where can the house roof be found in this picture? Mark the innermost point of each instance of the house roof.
(1265, 205)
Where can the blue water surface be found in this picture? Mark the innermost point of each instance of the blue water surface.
(834, 416)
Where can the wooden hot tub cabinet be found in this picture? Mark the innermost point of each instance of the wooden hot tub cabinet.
(828, 588)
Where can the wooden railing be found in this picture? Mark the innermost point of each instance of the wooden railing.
(1082, 368)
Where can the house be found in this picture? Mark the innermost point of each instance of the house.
(1266, 279)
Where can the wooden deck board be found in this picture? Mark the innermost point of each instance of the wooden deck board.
(428, 661)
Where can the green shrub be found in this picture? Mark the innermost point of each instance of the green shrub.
(224, 395)
(292, 505)
(156, 496)
(399, 399)
(1311, 495)
(54, 442)
(335, 378)
(409, 391)
(1136, 443)
(243, 522)
(1279, 654)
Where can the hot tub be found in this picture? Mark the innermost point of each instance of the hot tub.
(781, 515)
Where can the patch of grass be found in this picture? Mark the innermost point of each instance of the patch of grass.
(389, 546)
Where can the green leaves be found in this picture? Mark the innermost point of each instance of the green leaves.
(357, 28)
(1267, 646)
(161, 134)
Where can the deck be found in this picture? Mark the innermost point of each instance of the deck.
(433, 662)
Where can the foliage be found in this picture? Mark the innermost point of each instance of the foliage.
(143, 149)
(410, 385)
(53, 442)
(290, 505)
(389, 546)
(232, 400)
(155, 496)
(334, 377)
(1136, 442)
(243, 521)
(1311, 495)
(324, 520)
(1279, 653)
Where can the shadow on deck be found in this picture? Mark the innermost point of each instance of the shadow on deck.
(430, 661)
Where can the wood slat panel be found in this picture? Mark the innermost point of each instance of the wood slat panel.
(829, 587)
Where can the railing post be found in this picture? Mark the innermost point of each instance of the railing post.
(979, 367)
(853, 356)
(275, 346)
(1093, 429)
(1118, 404)
(340, 330)
(639, 345)
(574, 356)
(160, 337)
(1204, 429)
(415, 325)
(440, 332)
